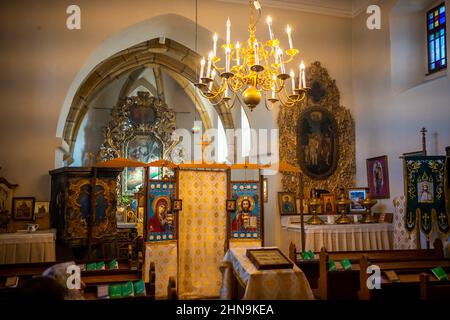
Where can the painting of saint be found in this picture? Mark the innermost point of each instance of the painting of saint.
(286, 202)
(161, 221)
(378, 177)
(317, 142)
(244, 219)
(142, 149)
(425, 192)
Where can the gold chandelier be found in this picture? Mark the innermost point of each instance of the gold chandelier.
(253, 70)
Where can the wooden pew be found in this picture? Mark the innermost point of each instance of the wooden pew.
(433, 290)
(409, 273)
(312, 271)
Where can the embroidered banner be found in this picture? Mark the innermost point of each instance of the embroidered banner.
(246, 220)
(161, 220)
(424, 185)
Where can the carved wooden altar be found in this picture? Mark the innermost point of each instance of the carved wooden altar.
(323, 101)
(71, 207)
(140, 129)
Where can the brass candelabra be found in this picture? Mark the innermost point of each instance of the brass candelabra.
(314, 204)
(368, 203)
(343, 203)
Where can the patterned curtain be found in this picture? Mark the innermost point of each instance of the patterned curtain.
(202, 233)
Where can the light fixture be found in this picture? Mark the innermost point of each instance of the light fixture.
(253, 70)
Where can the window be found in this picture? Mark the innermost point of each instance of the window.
(437, 45)
(222, 152)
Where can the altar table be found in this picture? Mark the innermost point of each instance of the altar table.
(347, 237)
(23, 247)
(278, 284)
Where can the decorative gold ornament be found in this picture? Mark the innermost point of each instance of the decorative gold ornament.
(368, 203)
(328, 97)
(314, 204)
(252, 69)
(343, 203)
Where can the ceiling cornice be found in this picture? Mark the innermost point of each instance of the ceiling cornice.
(345, 9)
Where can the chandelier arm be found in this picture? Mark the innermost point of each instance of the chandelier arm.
(265, 103)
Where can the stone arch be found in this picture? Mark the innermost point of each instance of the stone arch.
(170, 55)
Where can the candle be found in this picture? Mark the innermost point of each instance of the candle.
(213, 75)
(292, 74)
(274, 78)
(277, 51)
(202, 69)
(226, 91)
(256, 53)
(288, 30)
(228, 31)
(208, 70)
(238, 46)
(302, 75)
(215, 44)
(227, 59)
(282, 70)
(269, 24)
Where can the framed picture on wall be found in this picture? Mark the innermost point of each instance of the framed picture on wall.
(328, 204)
(286, 203)
(23, 208)
(355, 195)
(378, 177)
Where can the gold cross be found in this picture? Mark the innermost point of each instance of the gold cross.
(442, 217)
(425, 218)
(204, 143)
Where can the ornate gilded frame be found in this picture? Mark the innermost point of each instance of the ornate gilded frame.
(325, 95)
(122, 129)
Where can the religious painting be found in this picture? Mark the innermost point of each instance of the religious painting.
(356, 195)
(6, 196)
(23, 209)
(161, 218)
(287, 203)
(231, 205)
(424, 180)
(317, 139)
(246, 218)
(143, 149)
(177, 205)
(378, 177)
(41, 209)
(328, 204)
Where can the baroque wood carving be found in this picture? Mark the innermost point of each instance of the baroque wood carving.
(339, 166)
(140, 129)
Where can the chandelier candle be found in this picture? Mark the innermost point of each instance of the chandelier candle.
(215, 38)
(202, 69)
(208, 70)
(292, 74)
(269, 24)
(254, 69)
(288, 30)
(228, 31)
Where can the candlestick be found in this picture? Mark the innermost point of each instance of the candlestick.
(274, 78)
(228, 31)
(213, 75)
(269, 23)
(288, 30)
(302, 74)
(227, 59)
(215, 44)
(256, 53)
(208, 69)
(238, 46)
(292, 74)
(202, 69)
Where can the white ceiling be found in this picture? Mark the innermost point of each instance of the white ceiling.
(340, 8)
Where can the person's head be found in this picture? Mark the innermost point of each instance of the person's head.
(286, 199)
(245, 204)
(425, 188)
(41, 288)
(161, 210)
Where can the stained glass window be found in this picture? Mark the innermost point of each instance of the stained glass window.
(437, 44)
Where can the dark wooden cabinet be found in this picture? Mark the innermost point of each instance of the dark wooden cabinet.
(71, 207)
